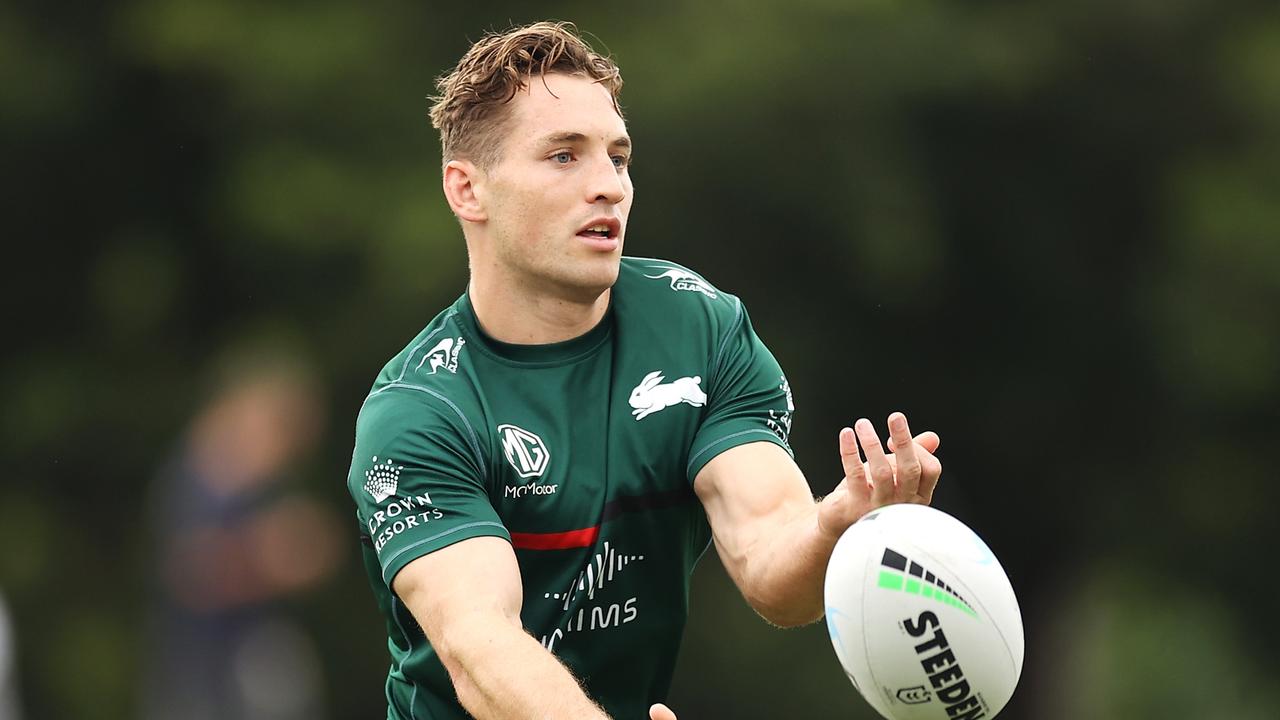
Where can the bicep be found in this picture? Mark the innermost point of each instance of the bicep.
(746, 491)
(475, 580)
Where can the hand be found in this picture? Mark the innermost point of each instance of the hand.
(909, 473)
(661, 712)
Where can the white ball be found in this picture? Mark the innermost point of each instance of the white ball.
(923, 617)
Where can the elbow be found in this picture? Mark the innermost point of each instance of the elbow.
(782, 603)
(451, 654)
(465, 646)
(453, 644)
(784, 612)
(469, 695)
(787, 620)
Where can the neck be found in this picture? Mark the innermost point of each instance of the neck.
(518, 312)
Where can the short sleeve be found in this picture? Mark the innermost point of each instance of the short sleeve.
(417, 478)
(749, 399)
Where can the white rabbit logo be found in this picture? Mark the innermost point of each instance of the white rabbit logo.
(650, 395)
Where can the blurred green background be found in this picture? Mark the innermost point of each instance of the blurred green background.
(1049, 231)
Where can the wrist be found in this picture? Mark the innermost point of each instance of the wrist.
(831, 519)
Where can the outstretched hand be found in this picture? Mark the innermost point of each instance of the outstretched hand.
(661, 712)
(909, 472)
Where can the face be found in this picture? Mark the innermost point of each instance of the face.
(556, 202)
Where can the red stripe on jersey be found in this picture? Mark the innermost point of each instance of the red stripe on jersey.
(556, 541)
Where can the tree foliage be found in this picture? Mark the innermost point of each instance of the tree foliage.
(1046, 230)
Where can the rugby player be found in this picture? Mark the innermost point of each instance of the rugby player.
(537, 472)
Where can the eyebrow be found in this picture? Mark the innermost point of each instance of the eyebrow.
(621, 141)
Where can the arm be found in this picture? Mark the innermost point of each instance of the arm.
(283, 548)
(775, 540)
(473, 621)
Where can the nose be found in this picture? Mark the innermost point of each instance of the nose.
(606, 182)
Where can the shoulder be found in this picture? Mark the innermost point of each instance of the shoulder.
(437, 346)
(411, 426)
(420, 389)
(671, 290)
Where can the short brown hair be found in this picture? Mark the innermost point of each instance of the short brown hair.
(470, 109)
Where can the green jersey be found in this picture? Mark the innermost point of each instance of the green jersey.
(582, 454)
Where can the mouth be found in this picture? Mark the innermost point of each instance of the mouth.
(601, 229)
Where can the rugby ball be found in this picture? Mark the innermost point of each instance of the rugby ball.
(922, 616)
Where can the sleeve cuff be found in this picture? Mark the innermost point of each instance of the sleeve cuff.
(401, 556)
(729, 438)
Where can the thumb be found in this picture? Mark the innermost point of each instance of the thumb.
(928, 440)
(661, 712)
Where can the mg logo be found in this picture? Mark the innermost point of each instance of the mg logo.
(524, 450)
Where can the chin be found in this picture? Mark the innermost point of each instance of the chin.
(588, 280)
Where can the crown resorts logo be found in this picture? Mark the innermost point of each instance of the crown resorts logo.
(684, 280)
(381, 480)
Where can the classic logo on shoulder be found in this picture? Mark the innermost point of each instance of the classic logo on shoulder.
(683, 280)
(780, 421)
(381, 480)
(443, 355)
(525, 451)
(652, 395)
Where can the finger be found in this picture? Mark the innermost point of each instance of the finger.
(881, 472)
(852, 495)
(661, 712)
(854, 471)
(930, 473)
(907, 464)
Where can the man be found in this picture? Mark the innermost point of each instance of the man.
(538, 471)
(234, 543)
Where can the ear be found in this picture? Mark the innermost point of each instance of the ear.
(461, 180)
(652, 379)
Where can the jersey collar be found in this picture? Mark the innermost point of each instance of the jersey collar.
(560, 353)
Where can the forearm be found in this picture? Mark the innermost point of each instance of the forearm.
(775, 541)
(783, 570)
(499, 671)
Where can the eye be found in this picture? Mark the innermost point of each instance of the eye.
(564, 157)
(621, 161)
